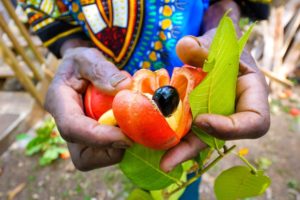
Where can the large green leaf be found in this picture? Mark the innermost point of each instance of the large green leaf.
(141, 166)
(239, 182)
(217, 92)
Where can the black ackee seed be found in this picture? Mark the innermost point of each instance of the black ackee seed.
(167, 99)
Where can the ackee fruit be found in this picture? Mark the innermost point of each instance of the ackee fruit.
(155, 111)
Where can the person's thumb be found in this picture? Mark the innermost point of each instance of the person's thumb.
(192, 51)
(104, 75)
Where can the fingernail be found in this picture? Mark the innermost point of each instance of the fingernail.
(120, 145)
(196, 39)
(117, 78)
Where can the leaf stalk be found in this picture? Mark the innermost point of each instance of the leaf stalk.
(242, 158)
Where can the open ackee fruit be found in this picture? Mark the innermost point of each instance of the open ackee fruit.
(155, 112)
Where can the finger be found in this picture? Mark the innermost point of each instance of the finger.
(103, 74)
(187, 149)
(252, 118)
(192, 51)
(86, 158)
(90, 64)
(65, 105)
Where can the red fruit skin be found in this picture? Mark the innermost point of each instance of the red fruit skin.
(140, 120)
(96, 103)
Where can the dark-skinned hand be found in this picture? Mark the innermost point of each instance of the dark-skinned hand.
(91, 145)
(251, 119)
(94, 146)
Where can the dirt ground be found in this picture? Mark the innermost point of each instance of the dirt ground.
(276, 152)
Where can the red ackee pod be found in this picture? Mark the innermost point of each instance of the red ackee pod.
(140, 119)
(96, 103)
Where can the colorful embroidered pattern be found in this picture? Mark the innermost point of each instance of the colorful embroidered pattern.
(52, 21)
(133, 34)
(165, 22)
(114, 26)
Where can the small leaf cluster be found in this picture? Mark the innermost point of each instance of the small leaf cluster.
(47, 142)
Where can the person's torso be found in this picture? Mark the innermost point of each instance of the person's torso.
(138, 34)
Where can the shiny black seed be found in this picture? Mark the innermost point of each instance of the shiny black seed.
(166, 99)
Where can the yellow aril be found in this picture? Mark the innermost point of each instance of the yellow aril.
(174, 119)
(108, 118)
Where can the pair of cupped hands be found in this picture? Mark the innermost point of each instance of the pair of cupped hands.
(93, 146)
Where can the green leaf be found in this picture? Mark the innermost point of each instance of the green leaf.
(239, 182)
(46, 129)
(35, 145)
(208, 139)
(141, 166)
(57, 140)
(33, 150)
(50, 155)
(60, 149)
(243, 40)
(204, 155)
(139, 194)
(187, 165)
(217, 92)
(43, 161)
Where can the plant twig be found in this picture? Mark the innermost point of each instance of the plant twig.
(193, 179)
(253, 169)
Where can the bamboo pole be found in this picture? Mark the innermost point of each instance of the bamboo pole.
(291, 32)
(10, 9)
(24, 80)
(274, 77)
(19, 49)
(48, 73)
